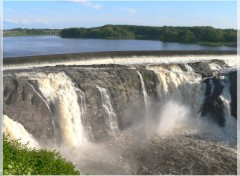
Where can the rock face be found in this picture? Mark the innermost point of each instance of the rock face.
(233, 92)
(25, 103)
(124, 90)
(213, 105)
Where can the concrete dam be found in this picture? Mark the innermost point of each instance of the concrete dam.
(157, 112)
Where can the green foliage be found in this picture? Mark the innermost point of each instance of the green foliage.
(20, 160)
(203, 34)
(109, 32)
(25, 32)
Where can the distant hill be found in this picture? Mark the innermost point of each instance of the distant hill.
(204, 35)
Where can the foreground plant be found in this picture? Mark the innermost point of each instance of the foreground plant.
(18, 159)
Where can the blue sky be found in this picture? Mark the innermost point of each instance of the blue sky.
(85, 13)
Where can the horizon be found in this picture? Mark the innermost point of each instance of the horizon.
(87, 14)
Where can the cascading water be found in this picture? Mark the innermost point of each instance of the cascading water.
(230, 122)
(146, 104)
(17, 132)
(180, 141)
(231, 60)
(63, 101)
(181, 95)
(145, 96)
(184, 87)
(111, 119)
(83, 111)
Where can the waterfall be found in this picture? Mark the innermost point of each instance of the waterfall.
(60, 93)
(17, 132)
(158, 85)
(170, 124)
(147, 115)
(83, 111)
(182, 87)
(145, 96)
(230, 60)
(230, 121)
(181, 96)
(111, 120)
(83, 107)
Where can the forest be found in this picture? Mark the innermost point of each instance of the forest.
(26, 32)
(199, 34)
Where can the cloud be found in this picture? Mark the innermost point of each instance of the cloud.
(88, 3)
(25, 21)
(129, 10)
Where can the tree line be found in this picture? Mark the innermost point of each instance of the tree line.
(165, 33)
(26, 31)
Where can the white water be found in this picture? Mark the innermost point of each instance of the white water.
(230, 60)
(230, 121)
(181, 95)
(173, 118)
(111, 120)
(182, 87)
(147, 121)
(83, 111)
(58, 89)
(145, 96)
(17, 132)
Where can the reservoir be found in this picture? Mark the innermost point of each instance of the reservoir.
(46, 45)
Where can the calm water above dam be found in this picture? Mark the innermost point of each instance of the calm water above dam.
(44, 45)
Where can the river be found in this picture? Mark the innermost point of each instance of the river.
(45, 45)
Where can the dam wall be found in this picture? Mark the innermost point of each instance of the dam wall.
(107, 54)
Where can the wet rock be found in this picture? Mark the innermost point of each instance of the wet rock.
(213, 105)
(233, 92)
(204, 69)
(24, 104)
(124, 89)
(23, 98)
(201, 68)
(182, 67)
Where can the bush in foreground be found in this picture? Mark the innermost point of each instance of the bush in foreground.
(20, 160)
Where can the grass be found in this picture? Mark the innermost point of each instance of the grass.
(18, 159)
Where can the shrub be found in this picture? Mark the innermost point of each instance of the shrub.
(18, 159)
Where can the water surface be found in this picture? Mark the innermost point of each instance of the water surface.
(45, 45)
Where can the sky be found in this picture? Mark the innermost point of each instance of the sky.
(85, 13)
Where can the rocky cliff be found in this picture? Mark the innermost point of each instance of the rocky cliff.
(29, 99)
